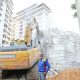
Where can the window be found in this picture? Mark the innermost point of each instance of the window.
(8, 38)
(3, 42)
(5, 31)
(21, 25)
(0, 8)
(0, 14)
(9, 29)
(4, 36)
(6, 16)
(20, 32)
(6, 20)
(5, 26)
(7, 11)
(1, 4)
(8, 7)
(8, 33)
(21, 29)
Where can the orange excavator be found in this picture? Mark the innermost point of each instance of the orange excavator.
(23, 55)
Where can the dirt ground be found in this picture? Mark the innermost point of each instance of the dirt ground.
(68, 74)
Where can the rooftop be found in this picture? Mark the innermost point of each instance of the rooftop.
(35, 6)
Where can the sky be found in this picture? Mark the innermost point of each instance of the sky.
(61, 15)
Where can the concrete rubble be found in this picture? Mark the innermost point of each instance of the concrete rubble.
(62, 49)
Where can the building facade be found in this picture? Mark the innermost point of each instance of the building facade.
(6, 11)
(25, 17)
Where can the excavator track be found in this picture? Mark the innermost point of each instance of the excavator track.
(24, 74)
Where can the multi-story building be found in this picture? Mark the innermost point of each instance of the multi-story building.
(78, 10)
(6, 11)
(25, 16)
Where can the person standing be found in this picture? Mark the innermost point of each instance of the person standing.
(43, 67)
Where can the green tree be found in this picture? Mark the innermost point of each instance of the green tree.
(73, 6)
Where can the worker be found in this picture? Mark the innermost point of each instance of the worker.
(43, 67)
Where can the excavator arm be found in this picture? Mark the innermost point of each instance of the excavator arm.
(27, 37)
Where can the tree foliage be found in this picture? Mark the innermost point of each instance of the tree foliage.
(73, 6)
(75, 15)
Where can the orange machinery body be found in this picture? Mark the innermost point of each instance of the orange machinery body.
(19, 59)
(12, 58)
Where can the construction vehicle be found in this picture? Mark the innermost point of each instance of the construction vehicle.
(20, 56)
